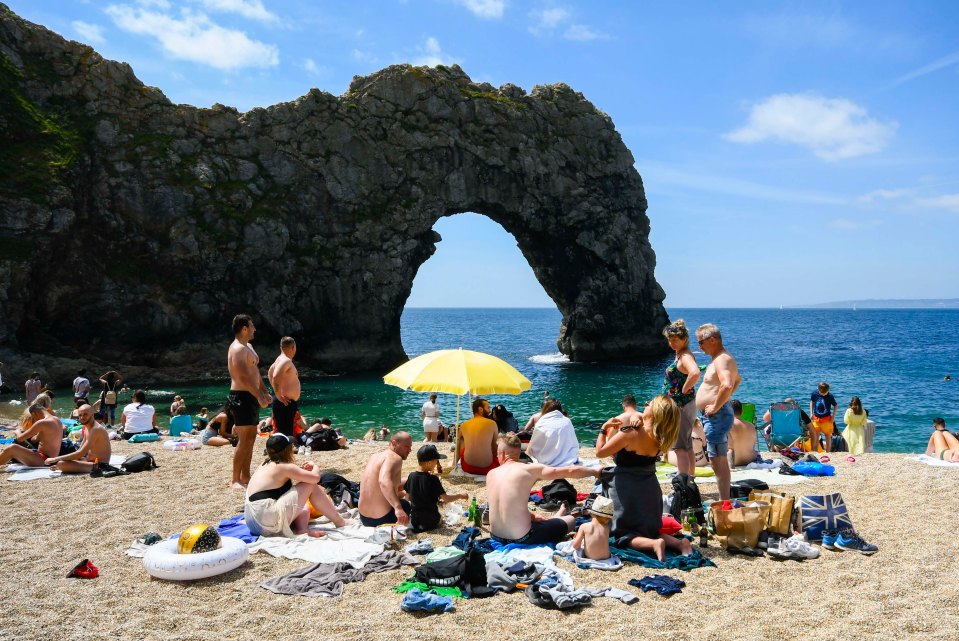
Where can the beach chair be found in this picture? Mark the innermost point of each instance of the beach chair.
(786, 427)
(181, 424)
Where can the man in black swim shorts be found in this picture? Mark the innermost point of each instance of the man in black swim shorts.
(247, 395)
(286, 385)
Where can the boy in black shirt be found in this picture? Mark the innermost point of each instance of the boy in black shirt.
(425, 490)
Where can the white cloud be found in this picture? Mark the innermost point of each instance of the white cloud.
(485, 8)
(548, 19)
(848, 224)
(945, 201)
(196, 38)
(582, 33)
(885, 194)
(252, 9)
(431, 54)
(941, 63)
(89, 32)
(832, 128)
(310, 66)
(363, 56)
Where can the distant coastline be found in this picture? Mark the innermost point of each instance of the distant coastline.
(887, 303)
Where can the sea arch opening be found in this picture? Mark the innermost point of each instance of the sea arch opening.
(478, 263)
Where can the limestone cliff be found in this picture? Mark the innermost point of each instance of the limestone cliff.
(132, 229)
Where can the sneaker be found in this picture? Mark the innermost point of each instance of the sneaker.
(795, 547)
(852, 542)
(829, 539)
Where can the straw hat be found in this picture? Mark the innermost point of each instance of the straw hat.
(602, 506)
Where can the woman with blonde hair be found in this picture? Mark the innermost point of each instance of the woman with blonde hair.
(855, 433)
(680, 385)
(280, 493)
(637, 497)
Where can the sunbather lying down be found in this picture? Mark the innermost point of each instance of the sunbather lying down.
(944, 445)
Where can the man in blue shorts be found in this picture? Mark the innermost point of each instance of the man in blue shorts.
(720, 382)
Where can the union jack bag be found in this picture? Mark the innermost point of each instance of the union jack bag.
(819, 513)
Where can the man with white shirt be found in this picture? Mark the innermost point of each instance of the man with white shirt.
(554, 441)
(81, 388)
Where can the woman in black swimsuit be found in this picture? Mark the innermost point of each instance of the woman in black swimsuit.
(637, 497)
(274, 504)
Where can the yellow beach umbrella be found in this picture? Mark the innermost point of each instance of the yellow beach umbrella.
(458, 371)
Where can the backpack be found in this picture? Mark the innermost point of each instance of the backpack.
(140, 462)
(444, 573)
(561, 491)
(686, 496)
(322, 440)
(741, 489)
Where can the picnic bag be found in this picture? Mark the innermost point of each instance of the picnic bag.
(139, 462)
(779, 520)
(820, 513)
(739, 527)
(686, 496)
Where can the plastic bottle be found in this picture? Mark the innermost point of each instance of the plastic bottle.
(474, 508)
(703, 537)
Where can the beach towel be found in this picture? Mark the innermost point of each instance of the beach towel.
(26, 473)
(674, 560)
(478, 478)
(566, 550)
(328, 579)
(771, 477)
(409, 584)
(532, 554)
(932, 460)
(613, 593)
(355, 552)
(236, 527)
(666, 471)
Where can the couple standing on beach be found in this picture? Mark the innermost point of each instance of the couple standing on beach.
(248, 394)
(713, 399)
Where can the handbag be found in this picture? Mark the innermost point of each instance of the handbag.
(779, 519)
(820, 513)
(741, 526)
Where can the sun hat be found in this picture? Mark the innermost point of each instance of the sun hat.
(602, 506)
(428, 453)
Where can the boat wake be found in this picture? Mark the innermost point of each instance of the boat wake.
(550, 359)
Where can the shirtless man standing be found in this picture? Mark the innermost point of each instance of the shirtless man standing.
(712, 399)
(49, 431)
(247, 395)
(507, 490)
(286, 385)
(95, 447)
(381, 486)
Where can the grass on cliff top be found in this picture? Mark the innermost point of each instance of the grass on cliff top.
(38, 145)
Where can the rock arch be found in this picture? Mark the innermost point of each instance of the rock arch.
(313, 215)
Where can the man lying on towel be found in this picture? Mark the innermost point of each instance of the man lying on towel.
(94, 448)
(49, 432)
(507, 488)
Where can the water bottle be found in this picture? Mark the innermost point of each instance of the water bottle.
(474, 508)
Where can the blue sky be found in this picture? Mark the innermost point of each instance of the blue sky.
(791, 152)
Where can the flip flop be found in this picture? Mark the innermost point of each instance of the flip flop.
(824, 458)
(850, 459)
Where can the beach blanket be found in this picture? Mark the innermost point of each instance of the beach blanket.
(666, 471)
(770, 477)
(328, 579)
(466, 475)
(566, 550)
(26, 473)
(674, 560)
(932, 460)
(354, 552)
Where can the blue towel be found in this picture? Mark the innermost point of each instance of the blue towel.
(6, 441)
(664, 585)
(674, 560)
(418, 601)
(236, 527)
(809, 468)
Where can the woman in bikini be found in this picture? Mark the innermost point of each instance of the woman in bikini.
(277, 496)
(943, 443)
(680, 385)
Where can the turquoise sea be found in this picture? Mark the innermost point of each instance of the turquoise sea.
(895, 360)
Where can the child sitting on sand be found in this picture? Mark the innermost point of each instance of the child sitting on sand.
(593, 537)
(425, 490)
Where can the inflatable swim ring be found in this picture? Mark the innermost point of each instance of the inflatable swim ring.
(163, 562)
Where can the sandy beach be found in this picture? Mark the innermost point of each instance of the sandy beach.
(907, 590)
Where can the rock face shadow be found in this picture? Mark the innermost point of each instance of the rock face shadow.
(161, 221)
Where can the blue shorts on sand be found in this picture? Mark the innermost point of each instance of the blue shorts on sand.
(717, 428)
